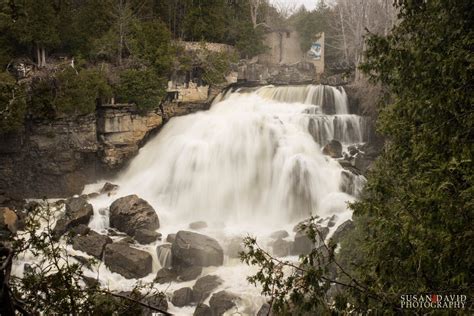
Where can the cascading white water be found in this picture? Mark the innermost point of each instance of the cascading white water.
(252, 158)
(251, 164)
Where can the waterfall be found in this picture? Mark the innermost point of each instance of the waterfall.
(253, 158)
(252, 164)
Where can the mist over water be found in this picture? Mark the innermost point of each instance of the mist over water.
(252, 164)
(253, 159)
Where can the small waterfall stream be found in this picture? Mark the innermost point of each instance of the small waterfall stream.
(252, 164)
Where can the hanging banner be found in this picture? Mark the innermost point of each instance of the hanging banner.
(315, 51)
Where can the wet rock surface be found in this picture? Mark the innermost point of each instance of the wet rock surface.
(91, 243)
(165, 275)
(279, 234)
(193, 249)
(333, 149)
(202, 310)
(281, 247)
(131, 213)
(205, 286)
(342, 231)
(127, 261)
(78, 211)
(146, 236)
(221, 302)
(182, 297)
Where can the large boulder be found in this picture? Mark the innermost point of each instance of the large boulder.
(170, 238)
(333, 149)
(78, 211)
(127, 261)
(91, 243)
(234, 247)
(304, 245)
(109, 188)
(281, 247)
(193, 249)
(279, 234)
(146, 236)
(182, 297)
(204, 287)
(165, 275)
(342, 231)
(131, 213)
(189, 273)
(202, 310)
(221, 302)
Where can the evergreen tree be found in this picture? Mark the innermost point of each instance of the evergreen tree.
(413, 226)
(12, 104)
(37, 27)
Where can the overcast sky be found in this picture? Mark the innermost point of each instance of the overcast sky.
(309, 4)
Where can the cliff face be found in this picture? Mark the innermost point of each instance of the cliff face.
(57, 158)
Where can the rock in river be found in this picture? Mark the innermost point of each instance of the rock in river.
(91, 243)
(131, 213)
(193, 249)
(78, 211)
(127, 261)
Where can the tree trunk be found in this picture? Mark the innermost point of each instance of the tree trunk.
(38, 55)
(43, 56)
(346, 58)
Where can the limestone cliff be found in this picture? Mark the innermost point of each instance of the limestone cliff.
(57, 158)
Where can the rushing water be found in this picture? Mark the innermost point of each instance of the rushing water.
(252, 164)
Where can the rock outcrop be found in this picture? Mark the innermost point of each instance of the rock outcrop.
(56, 158)
(193, 249)
(205, 286)
(221, 302)
(127, 261)
(202, 310)
(78, 211)
(132, 215)
(333, 149)
(91, 243)
(122, 129)
(182, 297)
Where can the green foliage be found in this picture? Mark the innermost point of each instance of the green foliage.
(216, 66)
(298, 287)
(77, 93)
(142, 87)
(55, 284)
(37, 22)
(310, 23)
(152, 46)
(250, 41)
(68, 92)
(12, 104)
(412, 225)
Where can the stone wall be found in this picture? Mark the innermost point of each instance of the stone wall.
(57, 158)
(284, 48)
(298, 73)
(213, 47)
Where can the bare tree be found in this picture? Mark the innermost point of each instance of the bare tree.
(355, 19)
